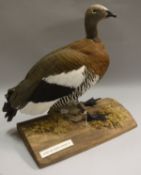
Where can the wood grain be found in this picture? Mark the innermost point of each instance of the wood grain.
(83, 136)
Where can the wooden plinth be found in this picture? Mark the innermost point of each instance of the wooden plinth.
(83, 135)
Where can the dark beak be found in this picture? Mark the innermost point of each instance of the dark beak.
(110, 14)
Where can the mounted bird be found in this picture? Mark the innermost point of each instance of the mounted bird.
(63, 75)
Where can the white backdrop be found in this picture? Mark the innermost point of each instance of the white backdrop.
(29, 29)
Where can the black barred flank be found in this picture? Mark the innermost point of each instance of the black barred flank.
(89, 80)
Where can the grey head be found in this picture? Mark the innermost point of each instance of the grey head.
(93, 15)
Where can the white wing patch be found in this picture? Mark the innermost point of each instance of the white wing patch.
(70, 79)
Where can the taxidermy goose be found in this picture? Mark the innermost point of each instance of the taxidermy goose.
(63, 75)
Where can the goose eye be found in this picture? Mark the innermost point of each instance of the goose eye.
(94, 12)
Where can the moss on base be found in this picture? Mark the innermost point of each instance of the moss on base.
(60, 123)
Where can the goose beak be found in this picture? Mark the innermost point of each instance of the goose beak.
(110, 14)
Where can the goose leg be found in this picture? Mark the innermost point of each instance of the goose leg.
(86, 115)
(81, 115)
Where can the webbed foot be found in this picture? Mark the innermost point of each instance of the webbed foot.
(93, 117)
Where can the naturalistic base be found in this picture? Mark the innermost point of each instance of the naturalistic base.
(55, 137)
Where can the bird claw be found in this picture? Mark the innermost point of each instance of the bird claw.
(91, 102)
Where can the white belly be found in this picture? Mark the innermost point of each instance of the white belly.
(37, 108)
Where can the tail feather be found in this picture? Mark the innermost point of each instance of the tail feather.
(21, 93)
(17, 97)
(10, 111)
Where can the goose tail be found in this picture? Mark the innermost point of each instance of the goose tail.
(10, 112)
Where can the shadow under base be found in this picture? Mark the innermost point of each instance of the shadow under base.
(58, 138)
